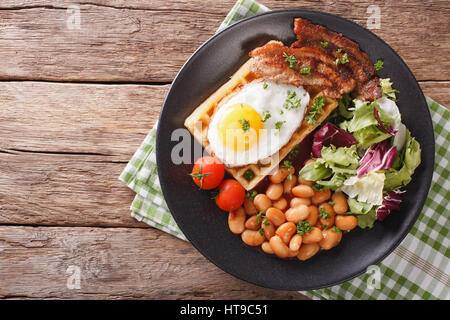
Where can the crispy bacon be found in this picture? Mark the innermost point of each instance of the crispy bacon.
(359, 64)
(269, 61)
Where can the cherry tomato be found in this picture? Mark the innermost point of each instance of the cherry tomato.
(231, 195)
(208, 172)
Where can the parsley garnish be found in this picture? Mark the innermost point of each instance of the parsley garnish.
(281, 111)
(378, 65)
(291, 59)
(303, 227)
(316, 110)
(259, 216)
(279, 124)
(251, 194)
(266, 222)
(245, 124)
(249, 174)
(294, 152)
(287, 164)
(323, 214)
(265, 85)
(324, 227)
(261, 231)
(339, 50)
(266, 115)
(336, 229)
(324, 44)
(342, 60)
(292, 102)
(331, 203)
(306, 71)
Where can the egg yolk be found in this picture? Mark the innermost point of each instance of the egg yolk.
(239, 128)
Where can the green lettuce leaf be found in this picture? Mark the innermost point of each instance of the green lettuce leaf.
(367, 220)
(336, 181)
(316, 170)
(342, 156)
(370, 135)
(411, 156)
(358, 207)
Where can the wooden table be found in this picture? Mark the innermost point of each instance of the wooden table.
(75, 103)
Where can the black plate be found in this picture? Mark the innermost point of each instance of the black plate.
(206, 226)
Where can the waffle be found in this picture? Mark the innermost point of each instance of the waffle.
(197, 123)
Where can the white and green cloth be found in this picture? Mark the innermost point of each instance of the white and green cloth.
(418, 268)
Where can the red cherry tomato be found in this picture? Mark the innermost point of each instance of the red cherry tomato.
(208, 172)
(231, 195)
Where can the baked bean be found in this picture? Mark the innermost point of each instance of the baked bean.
(279, 247)
(297, 214)
(321, 196)
(269, 229)
(253, 223)
(292, 253)
(274, 191)
(305, 182)
(298, 201)
(328, 209)
(303, 191)
(346, 222)
(266, 247)
(315, 235)
(330, 239)
(252, 238)
(306, 251)
(289, 184)
(340, 203)
(262, 202)
(276, 216)
(280, 203)
(281, 174)
(236, 221)
(286, 231)
(249, 207)
(313, 215)
(295, 243)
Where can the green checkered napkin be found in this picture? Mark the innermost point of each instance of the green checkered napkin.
(418, 269)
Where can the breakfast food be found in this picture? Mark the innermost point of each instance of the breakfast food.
(313, 139)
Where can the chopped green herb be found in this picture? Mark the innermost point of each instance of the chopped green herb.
(287, 164)
(292, 102)
(249, 174)
(265, 116)
(336, 229)
(378, 65)
(324, 44)
(342, 60)
(306, 71)
(291, 59)
(316, 110)
(279, 124)
(245, 124)
(251, 194)
(281, 111)
(331, 203)
(266, 222)
(324, 227)
(294, 152)
(323, 214)
(261, 231)
(339, 50)
(303, 227)
(265, 85)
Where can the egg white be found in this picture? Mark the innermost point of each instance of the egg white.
(270, 98)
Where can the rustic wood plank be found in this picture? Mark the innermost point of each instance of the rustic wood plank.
(147, 41)
(114, 263)
(438, 91)
(110, 120)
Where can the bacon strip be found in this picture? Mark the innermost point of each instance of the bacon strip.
(269, 62)
(359, 65)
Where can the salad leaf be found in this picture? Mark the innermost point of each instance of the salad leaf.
(391, 202)
(396, 178)
(328, 135)
(316, 170)
(336, 181)
(378, 157)
(387, 90)
(367, 189)
(357, 207)
(342, 156)
(369, 136)
(367, 220)
(344, 105)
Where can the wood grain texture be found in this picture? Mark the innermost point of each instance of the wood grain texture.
(148, 41)
(119, 263)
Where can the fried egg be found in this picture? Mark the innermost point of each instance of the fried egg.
(256, 122)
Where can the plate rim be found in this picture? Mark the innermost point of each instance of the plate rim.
(428, 181)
